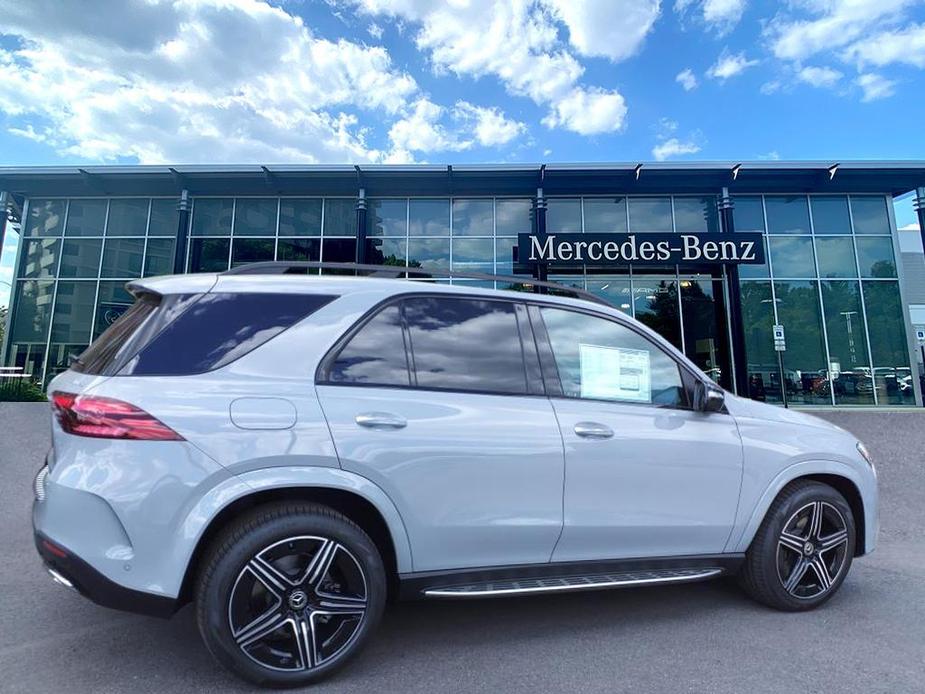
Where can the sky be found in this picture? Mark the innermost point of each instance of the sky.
(456, 81)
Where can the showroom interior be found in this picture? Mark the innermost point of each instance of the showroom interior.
(832, 274)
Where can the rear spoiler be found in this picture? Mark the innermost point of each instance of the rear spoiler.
(172, 284)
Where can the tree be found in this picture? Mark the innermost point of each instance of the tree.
(3, 312)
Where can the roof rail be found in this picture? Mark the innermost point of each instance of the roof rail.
(301, 267)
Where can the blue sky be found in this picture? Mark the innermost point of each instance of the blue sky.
(459, 81)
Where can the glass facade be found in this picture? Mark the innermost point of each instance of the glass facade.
(831, 281)
(92, 247)
(830, 278)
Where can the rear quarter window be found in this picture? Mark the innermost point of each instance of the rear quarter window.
(110, 348)
(219, 328)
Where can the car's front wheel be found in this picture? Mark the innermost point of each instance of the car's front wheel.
(289, 593)
(803, 549)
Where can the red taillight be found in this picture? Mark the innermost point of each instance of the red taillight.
(54, 549)
(108, 418)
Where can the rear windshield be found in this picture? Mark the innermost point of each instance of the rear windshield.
(184, 334)
(103, 353)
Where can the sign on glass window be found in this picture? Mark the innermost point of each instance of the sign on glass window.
(614, 373)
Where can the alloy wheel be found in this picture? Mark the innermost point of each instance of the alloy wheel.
(812, 550)
(298, 603)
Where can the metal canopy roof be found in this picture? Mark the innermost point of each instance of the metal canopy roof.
(893, 177)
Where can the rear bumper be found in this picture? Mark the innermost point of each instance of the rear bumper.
(95, 586)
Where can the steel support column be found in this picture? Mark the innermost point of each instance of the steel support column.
(736, 326)
(4, 210)
(540, 270)
(919, 205)
(179, 256)
(361, 226)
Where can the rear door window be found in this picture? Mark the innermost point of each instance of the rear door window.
(465, 344)
(375, 355)
(441, 343)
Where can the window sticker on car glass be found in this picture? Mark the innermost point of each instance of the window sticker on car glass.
(614, 373)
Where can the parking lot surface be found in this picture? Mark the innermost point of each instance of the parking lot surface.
(704, 637)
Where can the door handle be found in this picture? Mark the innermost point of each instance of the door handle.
(593, 430)
(380, 420)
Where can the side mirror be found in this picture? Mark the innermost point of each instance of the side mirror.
(708, 397)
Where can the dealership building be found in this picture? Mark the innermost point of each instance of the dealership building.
(782, 281)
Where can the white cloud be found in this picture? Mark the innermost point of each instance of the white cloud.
(374, 30)
(588, 111)
(431, 128)
(819, 76)
(720, 15)
(833, 24)
(669, 144)
(518, 42)
(773, 155)
(421, 130)
(903, 46)
(613, 29)
(666, 126)
(686, 79)
(874, 86)
(216, 80)
(863, 34)
(729, 65)
(911, 226)
(489, 125)
(771, 87)
(673, 147)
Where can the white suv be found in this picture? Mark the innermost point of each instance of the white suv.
(288, 451)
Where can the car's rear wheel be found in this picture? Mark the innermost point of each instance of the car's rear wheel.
(803, 549)
(289, 593)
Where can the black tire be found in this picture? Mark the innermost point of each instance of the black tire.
(773, 559)
(228, 588)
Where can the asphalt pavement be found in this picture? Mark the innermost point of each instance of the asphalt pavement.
(704, 637)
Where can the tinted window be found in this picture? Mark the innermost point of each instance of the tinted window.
(870, 215)
(830, 214)
(255, 217)
(605, 214)
(300, 217)
(122, 257)
(696, 214)
(875, 257)
(85, 218)
(650, 214)
(473, 217)
(429, 217)
(748, 213)
(513, 217)
(600, 359)
(164, 217)
(46, 218)
(465, 344)
(100, 355)
(375, 355)
(792, 257)
(787, 215)
(127, 217)
(836, 257)
(159, 257)
(387, 217)
(563, 214)
(219, 328)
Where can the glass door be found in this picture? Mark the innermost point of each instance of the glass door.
(706, 337)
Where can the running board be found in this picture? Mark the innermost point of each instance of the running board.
(570, 583)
